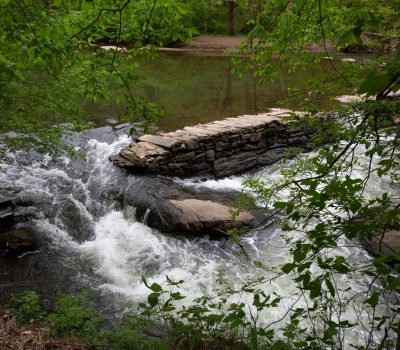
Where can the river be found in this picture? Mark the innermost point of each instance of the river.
(89, 237)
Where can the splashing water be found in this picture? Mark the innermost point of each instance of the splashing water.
(88, 227)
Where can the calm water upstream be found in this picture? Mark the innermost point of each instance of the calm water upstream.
(200, 89)
(86, 226)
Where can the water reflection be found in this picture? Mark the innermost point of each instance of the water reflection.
(200, 89)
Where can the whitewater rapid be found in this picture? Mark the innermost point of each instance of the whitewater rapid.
(84, 227)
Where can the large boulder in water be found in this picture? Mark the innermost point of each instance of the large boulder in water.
(14, 224)
(196, 216)
(169, 207)
(20, 238)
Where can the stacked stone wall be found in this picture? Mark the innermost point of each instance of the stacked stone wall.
(220, 148)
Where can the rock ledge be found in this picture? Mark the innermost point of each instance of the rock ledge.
(221, 148)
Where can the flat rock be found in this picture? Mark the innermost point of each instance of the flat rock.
(172, 208)
(200, 131)
(199, 214)
(163, 141)
(141, 153)
(390, 243)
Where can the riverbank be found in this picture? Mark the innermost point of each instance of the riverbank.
(216, 45)
(32, 336)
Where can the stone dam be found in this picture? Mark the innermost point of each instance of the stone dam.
(220, 149)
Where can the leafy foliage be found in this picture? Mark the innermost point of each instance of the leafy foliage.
(211, 321)
(210, 16)
(25, 307)
(131, 334)
(74, 316)
(49, 63)
(323, 200)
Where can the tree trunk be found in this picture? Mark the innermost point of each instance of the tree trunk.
(260, 5)
(231, 6)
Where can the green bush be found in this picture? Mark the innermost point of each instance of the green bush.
(129, 335)
(74, 316)
(194, 327)
(25, 307)
(144, 22)
(281, 345)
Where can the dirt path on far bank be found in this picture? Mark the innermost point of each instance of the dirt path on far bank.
(219, 44)
(209, 44)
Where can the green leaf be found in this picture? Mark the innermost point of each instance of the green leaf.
(394, 283)
(275, 302)
(373, 300)
(304, 266)
(340, 265)
(287, 268)
(331, 331)
(177, 296)
(315, 290)
(280, 205)
(357, 31)
(350, 36)
(153, 299)
(330, 287)
(373, 84)
(156, 287)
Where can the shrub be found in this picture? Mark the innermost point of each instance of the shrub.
(129, 335)
(74, 316)
(25, 307)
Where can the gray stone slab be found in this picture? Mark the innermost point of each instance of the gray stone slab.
(199, 131)
(219, 129)
(162, 141)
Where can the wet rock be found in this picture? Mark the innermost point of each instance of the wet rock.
(166, 142)
(192, 215)
(169, 207)
(391, 243)
(271, 156)
(196, 215)
(221, 148)
(236, 163)
(388, 245)
(13, 212)
(20, 238)
(14, 224)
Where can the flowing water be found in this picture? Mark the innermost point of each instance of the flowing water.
(89, 237)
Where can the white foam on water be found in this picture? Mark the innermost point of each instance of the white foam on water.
(229, 183)
(123, 250)
(59, 238)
